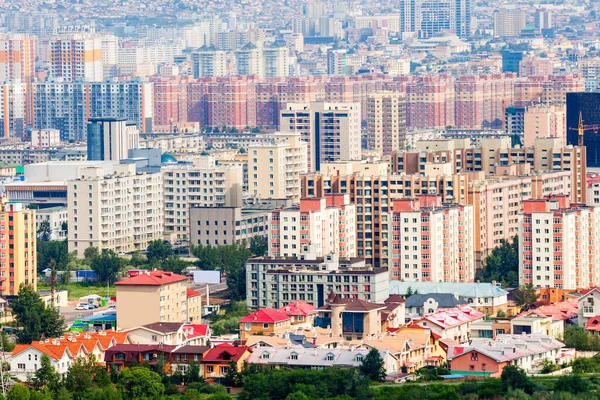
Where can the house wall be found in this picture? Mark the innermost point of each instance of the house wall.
(464, 365)
(130, 299)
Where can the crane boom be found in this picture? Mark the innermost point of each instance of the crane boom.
(581, 128)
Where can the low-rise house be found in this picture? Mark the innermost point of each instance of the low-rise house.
(194, 306)
(264, 321)
(488, 358)
(25, 358)
(183, 356)
(534, 323)
(215, 363)
(300, 313)
(124, 355)
(588, 305)
(394, 314)
(318, 358)
(170, 333)
(421, 304)
(490, 329)
(451, 323)
(485, 297)
(350, 318)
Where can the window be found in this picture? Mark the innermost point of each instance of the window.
(265, 355)
(210, 369)
(474, 356)
(330, 357)
(20, 366)
(294, 356)
(265, 326)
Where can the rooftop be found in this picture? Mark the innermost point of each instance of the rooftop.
(462, 289)
(151, 278)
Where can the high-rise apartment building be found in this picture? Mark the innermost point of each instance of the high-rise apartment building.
(431, 241)
(15, 109)
(111, 138)
(187, 186)
(209, 63)
(122, 212)
(76, 57)
(18, 259)
(543, 19)
(535, 66)
(276, 62)
(430, 102)
(249, 61)
(386, 121)
(558, 244)
(332, 130)
(509, 21)
(17, 58)
(544, 122)
(336, 62)
(321, 226)
(425, 18)
(67, 106)
(274, 169)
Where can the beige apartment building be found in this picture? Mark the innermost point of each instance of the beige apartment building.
(544, 122)
(547, 154)
(188, 185)
(146, 297)
(76, 57)
(122, 211)
(332, 131)
(274, 169)
(386, 121)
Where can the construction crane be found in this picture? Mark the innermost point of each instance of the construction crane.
(581, 128)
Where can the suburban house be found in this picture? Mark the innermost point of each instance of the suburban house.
(300, 313)
(588, 305)
(488, 358)
(350, 318)
(215, 363)
(123, 355)
(485, 297)
(534, 323)
(183, 356)
(194, 306)
(265, 321)
(25, 358)
(421, 304)
(394, 314)
(171, 333)
(451, 323)
(490, 329)
(318, 358)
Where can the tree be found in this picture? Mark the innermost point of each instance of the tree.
(192, 374)
(138, 259)
(45, 375)
(515, 378)
(90, 254)
(56, 250)
(34, 317)
(571, 383)
(502, 265)
(409, 292)
(259, 245)
(525, 296)
(80, 378)
(107, 266)
(44, 233)
(501, 314)
(372, 366)
(232, 377)
(18, 392)
(6, 344)
(158, 250)
(139, 383)
(578, 338)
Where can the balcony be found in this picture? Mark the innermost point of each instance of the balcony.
(588, 312)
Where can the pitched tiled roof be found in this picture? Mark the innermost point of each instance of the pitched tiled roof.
(448, 318)
(195, 330)
(152, 278)
(266, 316)
(298, 308)
(191, 349)
(352, 304)
(215, 354)
(444, 300)
(192, 293)
(463, 289)
(164, 327)
(593, 324)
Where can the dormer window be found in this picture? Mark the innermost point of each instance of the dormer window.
(359, 358)
(265, 355)
(330, 357)
(294, 356)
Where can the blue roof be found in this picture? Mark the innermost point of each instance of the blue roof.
(167, 158)
(462, 289)
(444, 300)
(103, 317)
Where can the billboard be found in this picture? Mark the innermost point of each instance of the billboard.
(207, 277)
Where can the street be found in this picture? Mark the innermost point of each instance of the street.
(71, 314)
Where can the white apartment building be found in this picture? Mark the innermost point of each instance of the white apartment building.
(56, 217)
(45, 138)
(76, 57)
(122, 211)
(332, 130)
(432, 241)
(186, 186)
(249, 61)
(386, 122)
(274, 169)
(325, 225)
(559, 244)
(209, 63)
(276, 62)
(13, 109)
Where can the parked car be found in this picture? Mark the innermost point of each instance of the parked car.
(83, 306)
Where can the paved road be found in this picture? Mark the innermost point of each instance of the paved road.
(213, 288)
(71, 314)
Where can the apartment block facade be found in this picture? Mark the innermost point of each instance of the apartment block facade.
(431, 241)
(18, 257)
(274, 169)
(76, 57)
(122, 212)
(275, 281)
(17, 58)
(558, 244)
(386, 122)
(323, 225)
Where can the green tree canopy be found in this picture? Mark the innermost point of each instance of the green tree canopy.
(18, 392)
(107, 266)
(53, 250)
(372, 366)
(525, 296)
(139, 383)
(34, 317)
(515, 378)
(259, 245)
(45, 376)
(158, 251)
(578, 338)
(44, 232)
(502, 265)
